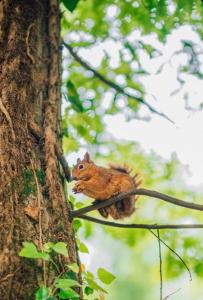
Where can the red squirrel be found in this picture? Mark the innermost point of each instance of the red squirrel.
(103, 183)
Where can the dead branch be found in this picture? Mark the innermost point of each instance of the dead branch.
(135, 191)
(112, 84)
(141, 226)
(160, 265)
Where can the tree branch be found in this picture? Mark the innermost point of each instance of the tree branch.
(160, 265)
(113, 84)
(149, 227)
(135, 191)
(174, 252)
(141, 226)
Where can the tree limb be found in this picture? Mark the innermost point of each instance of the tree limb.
(149, 227)
(113, 84)
(135, 191)
(141, 226)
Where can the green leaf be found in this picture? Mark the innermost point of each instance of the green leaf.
(89, 275)
(64, 284)
(29, 250)
(73, 97)
(42, 293)
(79, 205)
(70, 4)
(83, 248)
(95, 286)
(71, 199)
(105, 276)
(70, 275)
(74, 267)
(60, 248)
(76, 225)
(68, 293)
(88, 290)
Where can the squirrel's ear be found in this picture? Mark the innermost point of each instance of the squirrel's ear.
(87, 157)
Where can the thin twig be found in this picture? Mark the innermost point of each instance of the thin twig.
(64, 163)
(135, 191)
(141, 226)
(113, 84)
(39, 218)
(160, 266)
(167, 297)
(149, 227)
(174, 252)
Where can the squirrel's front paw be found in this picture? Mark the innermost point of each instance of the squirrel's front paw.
(78, 188)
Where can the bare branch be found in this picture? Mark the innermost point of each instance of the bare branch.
(174, 252)
(149, 227)
(160, 265)
(141, 226)
(135, 191)
(113, 84)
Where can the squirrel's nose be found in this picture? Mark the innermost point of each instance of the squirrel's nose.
(74, 178)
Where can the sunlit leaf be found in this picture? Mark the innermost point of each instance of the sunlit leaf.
(64, 284)
(105, 276)
(74, 267)
(68, 293)
(61, 248)
(29, 250)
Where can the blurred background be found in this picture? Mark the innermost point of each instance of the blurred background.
(133, 94)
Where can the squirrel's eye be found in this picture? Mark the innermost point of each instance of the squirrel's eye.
(81, 167)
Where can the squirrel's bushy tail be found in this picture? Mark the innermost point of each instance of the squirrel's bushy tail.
(125, 207)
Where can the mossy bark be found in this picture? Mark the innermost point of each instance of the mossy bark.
(32, 202)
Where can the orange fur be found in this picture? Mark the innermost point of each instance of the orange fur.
(103, 183)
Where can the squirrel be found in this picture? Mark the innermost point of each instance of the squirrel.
(103, 183)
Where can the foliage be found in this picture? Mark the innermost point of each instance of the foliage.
(64, 285)
(120, 36)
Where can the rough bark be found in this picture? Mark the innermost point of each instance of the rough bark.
(32, 202)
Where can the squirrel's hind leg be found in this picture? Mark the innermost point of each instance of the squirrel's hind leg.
(127, 207)
(103, 211)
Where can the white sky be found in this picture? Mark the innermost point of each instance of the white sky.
(186, 137)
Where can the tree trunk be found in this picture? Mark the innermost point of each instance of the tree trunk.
(32, 202)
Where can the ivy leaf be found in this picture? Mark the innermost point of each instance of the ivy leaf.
(74, 267)
(88, 290)
(82, 247)
(42, 293)
(68, 293)
(29, 250)
(95, 286)
(79, 205)
(76, 225)
(60, 248)
(105, 276)
(70, 4)
(71, 199)
(64, 284)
